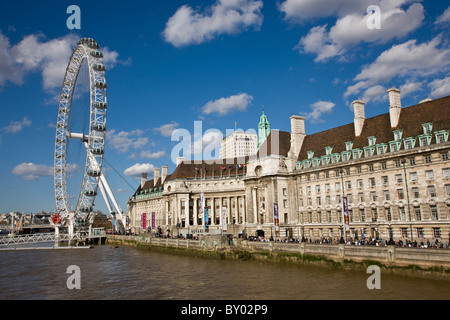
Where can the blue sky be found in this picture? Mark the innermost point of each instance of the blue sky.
(171, 63)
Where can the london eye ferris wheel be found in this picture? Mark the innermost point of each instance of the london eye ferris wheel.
(92, 139)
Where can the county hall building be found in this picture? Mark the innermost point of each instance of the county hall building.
(392, 170)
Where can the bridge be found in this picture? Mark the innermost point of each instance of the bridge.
(96, 235)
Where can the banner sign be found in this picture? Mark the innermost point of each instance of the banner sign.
(345, 210)
(224, 218)
(144, 221)
(276, 220)
(206, 220)
(153, 221)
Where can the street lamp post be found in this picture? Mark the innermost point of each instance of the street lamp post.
(344, 234)
(407, 197)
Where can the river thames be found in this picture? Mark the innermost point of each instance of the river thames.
(126, 273)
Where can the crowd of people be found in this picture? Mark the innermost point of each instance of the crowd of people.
(434, 243)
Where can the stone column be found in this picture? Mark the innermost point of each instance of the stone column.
(212, 211)
(255, 206)
(195, 211)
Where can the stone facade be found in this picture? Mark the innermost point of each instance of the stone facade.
(393, 169)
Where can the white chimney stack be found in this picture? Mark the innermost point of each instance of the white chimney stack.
(360, 116)
(156, 174)
(180, 160)
(298, 134)
(395, 106)
(143, 179)
(164, 173)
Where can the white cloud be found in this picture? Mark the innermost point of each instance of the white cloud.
(150, 155)
(167, 129)
(351, 26)
(31, 171)
(37, 54)
(139, 168)
(408, 63)
(410, 87)
(224, 106)
(444, 18)
(407, 58)
(375, 93)
(188, 26)
(124, 141)
(17, 126)
(318, 109)
(300, 10)
(440, 88)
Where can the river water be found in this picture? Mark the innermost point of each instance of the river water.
(125, 273)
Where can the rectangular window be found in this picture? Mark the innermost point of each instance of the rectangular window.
(400, 194)
(413, 176)
(373, 196)
(399, 178)
(415, 192)
(383, 166)
(372, 182)
(444, 156)
(361, 197)
(447, 190)
(388, 214)
(402, 213)
(386, 195)
(429, 174)
(434, 213)
(418, 213)
(363, 215)
(431, 191)
(446, 173)
(428, 159)
(360, 183)
(385, 180)
(437, 232)
(405, 232)
(348, 184)
(419, 232)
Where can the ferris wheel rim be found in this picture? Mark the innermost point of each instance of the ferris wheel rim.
(87, 50)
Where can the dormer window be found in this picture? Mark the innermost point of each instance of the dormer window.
(425, 140)
(441, 136)
(409, 143)
(381, 148)
(345, 155)
(427, 128)
(348, 145)
(395, 146)
(357, 153)
(398, 135)
(328, 150)
(325, 160)
(372, 140)
(315, 162)
(335, 158)
(310, 154)
(369, 151)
